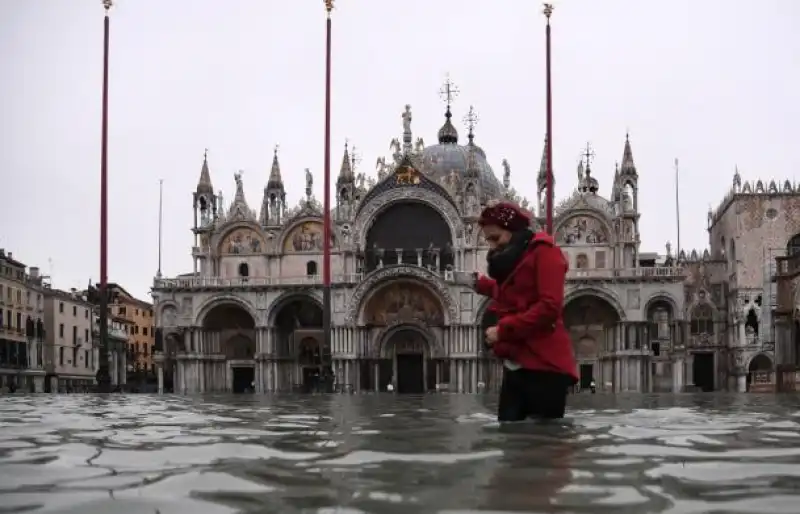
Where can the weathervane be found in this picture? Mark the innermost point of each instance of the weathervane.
(548, 11)
(449, 91)
(275, 150)
(205, 154)
(588, 155)
(329, 6)
(107, 4)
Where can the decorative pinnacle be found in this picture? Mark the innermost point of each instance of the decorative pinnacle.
(449, 91)
(275, 150)
(548, 11)
(355, 158)
(329, 6)
(471, 119)
(205, 154)
(107, 4)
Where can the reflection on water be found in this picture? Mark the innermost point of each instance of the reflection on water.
(387, 454)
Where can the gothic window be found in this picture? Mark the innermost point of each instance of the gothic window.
(311, 268)
(582, 261)
(751, 321)
(203, 203)
(702, 320)
(600, 259)
(244, 270)
(793, 248)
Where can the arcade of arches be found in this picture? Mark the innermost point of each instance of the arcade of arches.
(622, 355)
(229, 352)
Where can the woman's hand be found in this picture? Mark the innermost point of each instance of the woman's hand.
(491, 335)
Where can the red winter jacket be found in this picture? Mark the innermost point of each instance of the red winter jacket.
(529, 306)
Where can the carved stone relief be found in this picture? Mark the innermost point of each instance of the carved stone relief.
(169, 317)
(465, 300)
(339, 302)
(634, 299)
(186, 307)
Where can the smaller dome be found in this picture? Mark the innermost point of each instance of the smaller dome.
(448, 133)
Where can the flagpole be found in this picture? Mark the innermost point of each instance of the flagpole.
(103, 376)
(677, 209)
(160, 216)
(548, 11)
(326, 228)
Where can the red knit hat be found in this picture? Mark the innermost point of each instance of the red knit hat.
(505, 215)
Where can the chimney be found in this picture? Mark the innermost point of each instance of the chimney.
(10, 255)
(33, 272)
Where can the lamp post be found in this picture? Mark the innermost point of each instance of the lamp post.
(548, 11)
(326, 229)
(103, 375)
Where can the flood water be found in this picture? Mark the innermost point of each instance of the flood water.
(395, 454)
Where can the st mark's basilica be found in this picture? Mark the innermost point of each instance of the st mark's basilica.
(249, 315)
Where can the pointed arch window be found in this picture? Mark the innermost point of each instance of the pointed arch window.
(702, 320)
(311, 268)
(244, 270)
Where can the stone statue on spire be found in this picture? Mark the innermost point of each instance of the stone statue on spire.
(407, 120)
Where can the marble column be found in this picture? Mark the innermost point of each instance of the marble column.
(160, 372)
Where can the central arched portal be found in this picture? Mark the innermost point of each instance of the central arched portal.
(588, 319)
(408, 349)
(411, 233)
(300, 340)
(233, 334)
(403, 315)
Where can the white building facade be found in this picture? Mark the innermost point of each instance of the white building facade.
(249, 315)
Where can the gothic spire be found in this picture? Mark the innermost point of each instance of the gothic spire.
(275, 180)
(627, 167)
(346, 171)
(541, 180)
(204, 185)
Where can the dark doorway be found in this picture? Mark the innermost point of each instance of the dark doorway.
(243, 378)
(410, 373)
(587, 375)
(311, 379)
(703, 371)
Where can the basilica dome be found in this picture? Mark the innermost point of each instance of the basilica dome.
(440, 161)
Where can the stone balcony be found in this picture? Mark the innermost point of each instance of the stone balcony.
(206, 283)
(657, 273)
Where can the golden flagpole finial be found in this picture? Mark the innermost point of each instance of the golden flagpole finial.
(329, 6)
(107, 4)
(548, 10)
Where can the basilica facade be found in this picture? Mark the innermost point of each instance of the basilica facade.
(405, 243)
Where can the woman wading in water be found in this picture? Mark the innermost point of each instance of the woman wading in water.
(523, 324)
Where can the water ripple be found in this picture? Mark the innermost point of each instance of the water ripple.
(381, 453)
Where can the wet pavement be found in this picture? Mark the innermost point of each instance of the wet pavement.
(394, 454)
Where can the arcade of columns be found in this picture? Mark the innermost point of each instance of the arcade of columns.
(206, 368)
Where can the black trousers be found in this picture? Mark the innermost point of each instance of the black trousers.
(532, 394)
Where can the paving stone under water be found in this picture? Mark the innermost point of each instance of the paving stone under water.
(397, 454)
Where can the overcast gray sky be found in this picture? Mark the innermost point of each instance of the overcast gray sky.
(710, 82)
